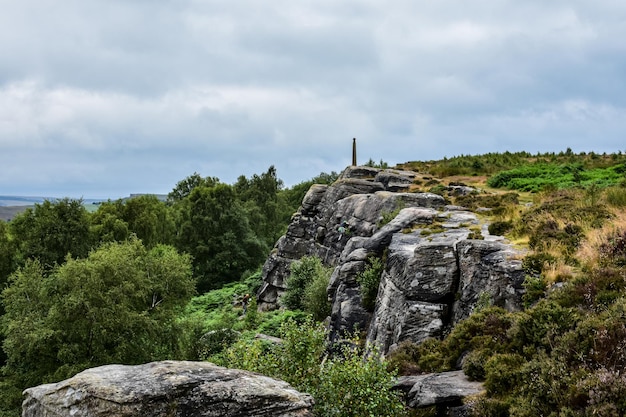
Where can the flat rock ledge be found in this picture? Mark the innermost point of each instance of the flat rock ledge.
(442, 389)
(168, 388)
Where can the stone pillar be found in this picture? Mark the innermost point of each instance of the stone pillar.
(353, 152)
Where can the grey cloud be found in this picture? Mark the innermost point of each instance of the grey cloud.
(120, 95)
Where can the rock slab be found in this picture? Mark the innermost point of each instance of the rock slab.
(446, 388)
(168, 388)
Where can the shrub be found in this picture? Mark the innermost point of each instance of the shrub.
(349, 385)
(616, 197)
(315, 297)
(535, 289)
(474, 364)
(405, 358)
(303, 272)
(274, 320)
(490, 407)
(499, 228)
(502, 372)
(357, 386)
(369, 281)
(613, 250)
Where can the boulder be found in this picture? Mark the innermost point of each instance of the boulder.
(442, 389)
(166, 389)
(488, 269)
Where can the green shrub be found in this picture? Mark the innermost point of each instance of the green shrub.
(499, 228)
(491, 407)
(274, 320)
(534, 289)
(616, 196)
(215, 341)
(535, 263)
(303, 272)
(474, 364)
(315, 297)
(369, 281)
(357, 386)
(404, 359)
(348, 385)
(502, 372)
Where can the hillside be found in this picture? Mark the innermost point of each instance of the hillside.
(508, 268)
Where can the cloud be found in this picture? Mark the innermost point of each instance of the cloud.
(120, 96)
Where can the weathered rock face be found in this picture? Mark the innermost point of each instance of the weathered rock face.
(443, 389)
(434, 275)
(359, 197)
(166, 389)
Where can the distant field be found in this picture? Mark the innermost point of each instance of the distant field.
(10, 206)
(7, 213)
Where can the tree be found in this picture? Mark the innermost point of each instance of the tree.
(119, 305)
(50, 231)
(214, 230)
(149, 219)
(259, 196)
(306, 287)
(146, 216)
(184, 187)
(7, 250)
(108, 224)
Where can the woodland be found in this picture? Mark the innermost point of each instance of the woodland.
(140, 280)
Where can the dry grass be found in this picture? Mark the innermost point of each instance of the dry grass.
(589, 253)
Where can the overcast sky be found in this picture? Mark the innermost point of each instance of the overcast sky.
(103, 98)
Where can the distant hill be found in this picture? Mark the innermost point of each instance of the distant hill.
(12, 205)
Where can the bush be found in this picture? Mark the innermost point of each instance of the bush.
(357, 386)
(304, 272)
(315, 297)
(350, 385)
(499, 228)
(502, 373)
(274, 320)
(369, 281)
(474, 364)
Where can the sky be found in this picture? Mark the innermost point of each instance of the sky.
(104, 98)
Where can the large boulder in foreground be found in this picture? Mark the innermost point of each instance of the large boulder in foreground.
(169, 388)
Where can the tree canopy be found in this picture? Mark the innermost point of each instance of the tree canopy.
(118, 305)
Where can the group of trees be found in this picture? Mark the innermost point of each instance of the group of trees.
(82, 288)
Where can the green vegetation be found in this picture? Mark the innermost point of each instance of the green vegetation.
(349, 385)
(106, 308)
(369, 281)
(88, 287)
(141, 280)
(306, 287)
(540, 176)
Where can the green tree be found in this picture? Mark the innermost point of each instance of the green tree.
(146, 216)
(52, 230)
(184, 187)
(291, 198)
(7, 251)
(108, 224)
(214, 230)
(119, 305)
(259, 196)
(149, 219)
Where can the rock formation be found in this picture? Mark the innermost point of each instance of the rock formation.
(434, 274)
(446, 389)
(166, 389)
